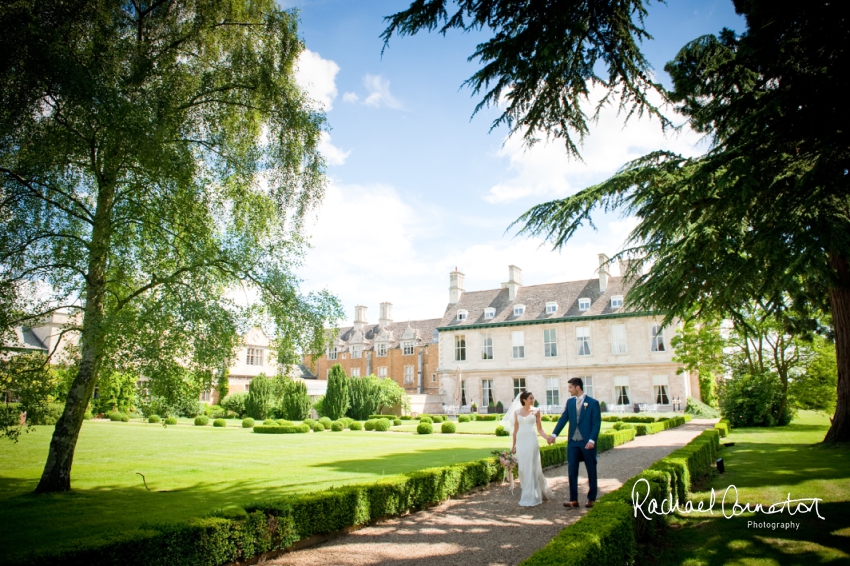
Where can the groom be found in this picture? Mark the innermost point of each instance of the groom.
(585, 421)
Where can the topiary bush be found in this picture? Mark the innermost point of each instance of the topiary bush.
(426, 419)
(382, 425)
(318, 427)
(437, 419)
(284, 422)
(463, 419)
(154, 419)
(396, 422)
(219, 423)
(202, 420)
(113, 416)
(499, 407)
(356, 425)
(448, 427)
(277, 429)
(424, 428)
(171, 420)
(248, 423)
(502, 431)
(622, 425)
(370, 424)
(337, 426)
(326, 422)
(309, 422)
(269, 422)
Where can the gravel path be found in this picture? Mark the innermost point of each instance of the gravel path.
(487, 527)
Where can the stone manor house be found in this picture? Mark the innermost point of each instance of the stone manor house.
(492, 344)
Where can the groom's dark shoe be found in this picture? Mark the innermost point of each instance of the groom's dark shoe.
(570, 503)
(589, 504)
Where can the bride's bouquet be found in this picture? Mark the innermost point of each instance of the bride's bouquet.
(509, 464)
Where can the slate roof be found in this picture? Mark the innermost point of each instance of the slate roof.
(535, 297)
(423, 330)
(25, 339)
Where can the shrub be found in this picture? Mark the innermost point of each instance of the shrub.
(336, 400)
(202, 420)
(337, 426)
(318, 427)
(610, 418)
(723, 427)
(502, 431)
(263, 429)
(406, 417)
(437, 419)
(700, 409)
(426, 419)
(638, 419)
(382, 425)
(396, 422)
(319, 405)
(125, 418)
(448, 427)
(325, 422)
(499, 407)
(154, 419)
(347, 421)
(231, 415)
(87, 416)
(296, 403)
(463, 418)
(235, 402)
(370, 424)
(754, 400)
(258, 404)
(356, 425)
(488, 417)
(171, 420)
(219, 423)
(364, 396)
(284, 422)
(113, 416)
(424, 428)
(623, 425)
(309, 422)
(269, 422)
(248, 423)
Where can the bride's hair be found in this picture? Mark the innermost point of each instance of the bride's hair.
(523, 396)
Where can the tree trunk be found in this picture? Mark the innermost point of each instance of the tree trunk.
(839, 298)
(57, 470)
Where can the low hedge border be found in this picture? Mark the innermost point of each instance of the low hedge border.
(651, 428)
(610, 531)
(277, 429)
(724, 427)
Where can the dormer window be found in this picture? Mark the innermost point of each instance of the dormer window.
(381, 349)
(519, 310)
(616, 301)
(461, 314)
(551, 307)
(584, 304)
(489, 313)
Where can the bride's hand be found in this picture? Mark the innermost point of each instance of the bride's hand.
(513, 450)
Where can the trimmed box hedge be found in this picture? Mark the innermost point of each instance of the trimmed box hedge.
(724, 427)
(277, 429)
(610, 531)
(652, 428)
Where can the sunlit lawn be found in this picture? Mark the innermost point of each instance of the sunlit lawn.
(192, 471)
(477, 427)
(766, 465)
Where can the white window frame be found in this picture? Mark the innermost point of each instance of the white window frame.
(408, 374)
(661, 389)
(462, 314)
(656, 331)
(551, 307)
(519, 386)
(583, 346)
(550, 343)
(486, 345)
(356, 352)
(382, 371)
(489, 313)
(518, 344)
(588, 385)
(355, 372)
(407, 348)
(486, 392)
(460, 347)
(553, 391)
(621, 390)
(381, 349)
(519, 310)
(332, 353)
(584, 304)
(617, 302)
(619, 342)
(254, 357)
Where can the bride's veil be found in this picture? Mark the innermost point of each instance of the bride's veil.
(508, 419)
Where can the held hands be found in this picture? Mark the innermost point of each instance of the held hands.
(513, 450)
(550, 439)
(590, 444)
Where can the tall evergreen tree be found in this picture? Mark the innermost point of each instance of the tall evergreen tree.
(261, 398)
(336, 401)
(364, 397)
(296, 403)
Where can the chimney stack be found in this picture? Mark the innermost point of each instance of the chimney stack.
(386, 314)
(603, 273)
(624, 266)
(359, 317)
(514, 281)
(455, 286)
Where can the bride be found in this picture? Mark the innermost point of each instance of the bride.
(523, 418)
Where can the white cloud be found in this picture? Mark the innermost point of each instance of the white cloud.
(545, 171)
(379, 93)
(333, 155)
(317, 76)
(350, 97)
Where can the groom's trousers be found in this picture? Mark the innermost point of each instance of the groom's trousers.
(576, 452)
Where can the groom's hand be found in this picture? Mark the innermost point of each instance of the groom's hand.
(590, 445)
(550, 440)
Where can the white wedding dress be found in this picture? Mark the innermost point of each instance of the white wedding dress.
(535, 488)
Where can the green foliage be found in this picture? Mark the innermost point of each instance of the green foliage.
(223, 384)
(219, 423)
(815, 388)
(637, 419)
(437, 419)
(202, 420)
(700, 410)
(283, 422)
(493, 417)
(296, 403)
(260, 399)
(337, 426)
(425, 427)
(723, 427)
(355, 425)
(364, 396)
(171, 421)
(309, 422)
(336, 400)
(463, 418)
(236, 402)
(448, 427)
(154, 419)
(426, 419)
(502, 431)
(396, 422)
(318, 427)
(28, 378)
(370, 424)
(382, 425)
(499, 407)
(622, 425)
(754, 400)
(319, 405)
(115, 416)
(698, 347)
(248, 423)
(325, 421)
(392, 395)
(276, 429)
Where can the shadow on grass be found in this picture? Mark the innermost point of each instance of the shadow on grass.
(395, 463)
(749, 464)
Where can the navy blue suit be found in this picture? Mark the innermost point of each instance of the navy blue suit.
(589, 423)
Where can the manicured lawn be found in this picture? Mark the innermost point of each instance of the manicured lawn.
(192, 471)
(477, 427)
(766, 465)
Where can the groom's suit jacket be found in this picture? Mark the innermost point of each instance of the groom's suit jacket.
(589, 421)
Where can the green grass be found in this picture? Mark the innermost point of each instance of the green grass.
(478, 427)
(766, 464)
(192, 471)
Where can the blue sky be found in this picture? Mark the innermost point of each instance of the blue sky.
(417, 188)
